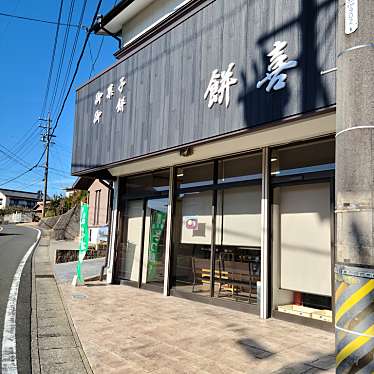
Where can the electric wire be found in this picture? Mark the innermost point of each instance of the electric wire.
(26, 137)
(62, 56)
(73, 77)
(77, 67)
(40, 20)
(71, 59)
(9, 154)
(52, 60)
(18, 176)
(97, 56)
(67, 93)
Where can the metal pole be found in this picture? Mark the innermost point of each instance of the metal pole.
(264, 297)
(169, 233)
(46, 163)
(354, 199)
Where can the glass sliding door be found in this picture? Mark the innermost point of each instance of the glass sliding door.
(131, 243)
(154, 241)
(143, 212)
(238, 243)
(192, 242)
(238, 229)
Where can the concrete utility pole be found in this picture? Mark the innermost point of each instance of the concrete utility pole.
(46, 138)
(354, 257)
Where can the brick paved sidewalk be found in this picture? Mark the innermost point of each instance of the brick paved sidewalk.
(127, 330)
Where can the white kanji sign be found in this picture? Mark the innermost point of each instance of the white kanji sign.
(98, 97)
(110, 91)
(122, 83)
(97, 116)
(278, 63)
(219, 86)
(121, 104)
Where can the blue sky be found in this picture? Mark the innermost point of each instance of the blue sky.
(25, 57)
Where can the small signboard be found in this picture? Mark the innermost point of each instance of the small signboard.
(351, 16)
(192, 223)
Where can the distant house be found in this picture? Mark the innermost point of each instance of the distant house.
(98, 211)
(18, 199)
(69, 191)
(38, 208)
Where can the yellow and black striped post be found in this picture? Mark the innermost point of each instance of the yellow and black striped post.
(354, 319)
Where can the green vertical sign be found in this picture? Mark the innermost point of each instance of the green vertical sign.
(83, 243)
(158, 220)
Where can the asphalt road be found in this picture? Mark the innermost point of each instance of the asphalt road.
(14, 243)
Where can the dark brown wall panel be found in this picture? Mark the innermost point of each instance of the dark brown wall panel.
(166, 79)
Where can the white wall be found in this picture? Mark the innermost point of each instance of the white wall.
(3, 203)
(148, 16)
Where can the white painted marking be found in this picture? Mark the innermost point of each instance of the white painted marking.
(8, 352)
(1, 228)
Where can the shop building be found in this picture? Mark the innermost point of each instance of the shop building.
(216, 126)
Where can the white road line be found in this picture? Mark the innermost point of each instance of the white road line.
(8, 352)
(1, 228)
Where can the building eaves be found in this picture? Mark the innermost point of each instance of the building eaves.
(117, 9)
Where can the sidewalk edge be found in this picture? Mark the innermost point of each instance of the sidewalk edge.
(35, 360)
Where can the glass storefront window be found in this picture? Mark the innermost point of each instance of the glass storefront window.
(195, 175)
(237, 246)
(153, 183)
(240, 169)
(303, 158)
(302, 231)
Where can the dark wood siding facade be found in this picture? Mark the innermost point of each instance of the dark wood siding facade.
(167, 78)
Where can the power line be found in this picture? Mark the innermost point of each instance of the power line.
(66, 96)
(71, 56)
(25, 138)
(52, 59)
(62, 56)
(18, 176)
(9, 154)
(77, 66)
(41, 20)
(97, 56)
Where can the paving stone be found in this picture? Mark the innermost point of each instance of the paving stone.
(56, 342)
(61, 361)
(61, 329)
(50, 322)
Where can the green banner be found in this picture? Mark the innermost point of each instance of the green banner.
(158, 220)
(83, 243)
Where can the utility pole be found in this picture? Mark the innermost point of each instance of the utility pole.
(46, 138)
(354, 252)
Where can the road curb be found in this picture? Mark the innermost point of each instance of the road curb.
(36, 363)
